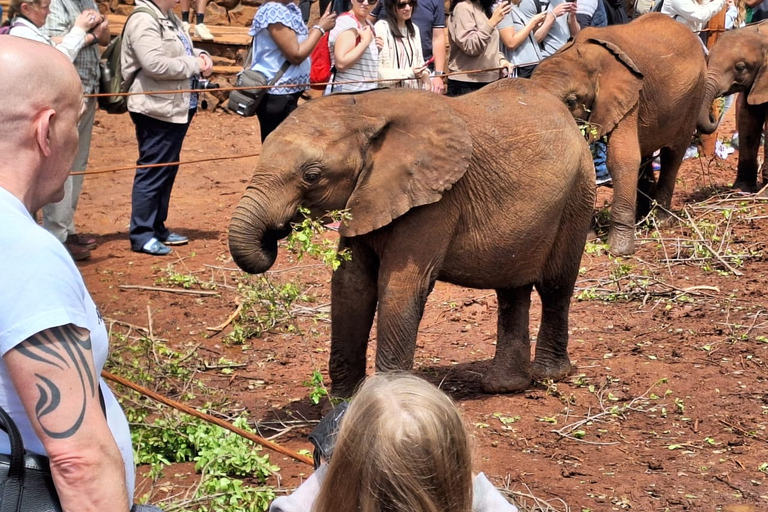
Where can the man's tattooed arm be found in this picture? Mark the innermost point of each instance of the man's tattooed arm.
(55, 377)
(61, 351)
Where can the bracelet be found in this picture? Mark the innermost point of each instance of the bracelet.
(438, 73)
(321, 29)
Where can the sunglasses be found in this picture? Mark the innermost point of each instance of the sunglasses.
(369, 2)
(403, 5)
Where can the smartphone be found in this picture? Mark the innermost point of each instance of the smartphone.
(430, 61)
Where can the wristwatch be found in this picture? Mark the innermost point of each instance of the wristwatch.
(438, 73)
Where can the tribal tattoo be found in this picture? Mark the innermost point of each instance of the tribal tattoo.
(63, 348)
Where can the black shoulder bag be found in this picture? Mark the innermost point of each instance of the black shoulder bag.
(25, 478)
(245, 101)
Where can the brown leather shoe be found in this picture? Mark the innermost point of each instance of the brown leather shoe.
(87, 241)
(77, 251)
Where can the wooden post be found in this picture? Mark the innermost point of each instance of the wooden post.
(715, 27)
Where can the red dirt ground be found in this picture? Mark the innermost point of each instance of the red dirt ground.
(670, 357)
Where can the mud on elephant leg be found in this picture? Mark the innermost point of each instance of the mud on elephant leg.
(551, 361)
(511, 366)
(353, 299)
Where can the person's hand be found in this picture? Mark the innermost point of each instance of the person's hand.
(418, 71)
(500, 12)
(366, 35)
(379, 42)
(438, 86)
(88, 19)
(206, 65)
(563, 8)
(538, 20)
(102, 28)
(507, 69)
(328, 20)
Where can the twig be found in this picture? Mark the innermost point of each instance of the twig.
(229, 319)
(709, 248)
(168, 290)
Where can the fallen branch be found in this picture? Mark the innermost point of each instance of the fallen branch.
(710, 249)
(180, 291)
(228, 321)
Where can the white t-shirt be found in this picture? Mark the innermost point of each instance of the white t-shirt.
(42, 288)
(366, 67)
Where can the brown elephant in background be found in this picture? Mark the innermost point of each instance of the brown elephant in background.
(738, 63)
(641, 85)
(494, 189)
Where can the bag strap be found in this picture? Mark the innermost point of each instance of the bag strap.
(13, 485)
(249, 60)
(538, 6)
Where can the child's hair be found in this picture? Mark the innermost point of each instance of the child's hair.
(402, 447)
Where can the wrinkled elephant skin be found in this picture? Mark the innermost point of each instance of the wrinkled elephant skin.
(641, 85)
(491, 190)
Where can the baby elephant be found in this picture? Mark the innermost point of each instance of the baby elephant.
(491, 190)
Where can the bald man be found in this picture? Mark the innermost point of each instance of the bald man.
(52, 339)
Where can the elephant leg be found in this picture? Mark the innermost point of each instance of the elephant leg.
(511, 366)
(551, 359)
(751, 120)
(671, 159)
(624, 162)
(353, 305)
(646, 184)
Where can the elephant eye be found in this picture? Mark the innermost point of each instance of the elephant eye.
(570, 101)
(312, 175)
(740, 66)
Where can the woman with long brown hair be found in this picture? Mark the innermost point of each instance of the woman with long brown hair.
(402, 447)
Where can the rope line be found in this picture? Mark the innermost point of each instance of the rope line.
(281, 86)
(149, 166)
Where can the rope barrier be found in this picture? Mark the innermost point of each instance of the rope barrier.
(149, 166)
(207, 417)
(282, 86)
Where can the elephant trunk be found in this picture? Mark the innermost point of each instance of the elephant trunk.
(708, 120)
(254, 233)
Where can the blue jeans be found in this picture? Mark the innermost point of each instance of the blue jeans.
(159, 142)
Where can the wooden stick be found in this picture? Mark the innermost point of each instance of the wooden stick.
(207, 417)
(710, 249)
(169, 290)
(228, 320)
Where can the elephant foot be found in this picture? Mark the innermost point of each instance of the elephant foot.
(745, 186)
(498, 380)
(552, 370)
(620, 244)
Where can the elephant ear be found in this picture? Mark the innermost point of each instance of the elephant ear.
(419, 149)
(758, 93)
(618, 88)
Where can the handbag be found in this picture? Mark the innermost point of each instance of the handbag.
(244, 102)
(25, 478)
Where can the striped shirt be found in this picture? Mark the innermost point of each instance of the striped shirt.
(59, 22)
(366, 68)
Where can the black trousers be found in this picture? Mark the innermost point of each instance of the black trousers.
(159, 142)
(457, 87)
(273, 110)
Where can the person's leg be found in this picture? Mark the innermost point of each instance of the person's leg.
(161, 232)
(273, 110)
(159, 142)
(185, 11)
(58, 218)
(200, 29)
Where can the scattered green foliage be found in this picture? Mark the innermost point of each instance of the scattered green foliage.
(303, 240)
(317, 389)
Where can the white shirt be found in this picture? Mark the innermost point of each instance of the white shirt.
(42, 288)
(70, 45)
(691, 13)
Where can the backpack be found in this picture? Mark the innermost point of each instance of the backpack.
(111, 73)
(321, 71)
(6, 28)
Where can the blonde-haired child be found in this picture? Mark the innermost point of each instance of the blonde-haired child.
(402, 447)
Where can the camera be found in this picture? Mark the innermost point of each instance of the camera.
(202, 84)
